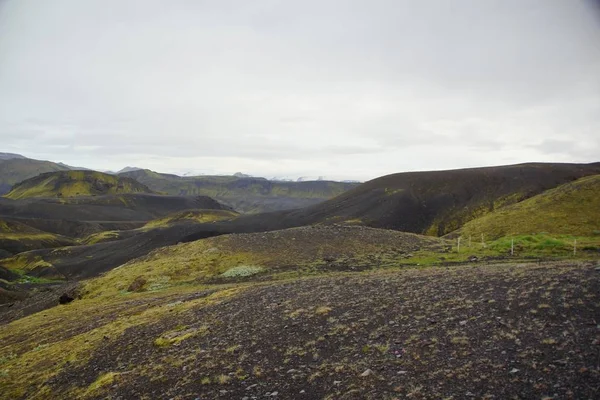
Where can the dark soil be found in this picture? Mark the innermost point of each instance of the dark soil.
(433, 202)
(123, 207)
(491, 332)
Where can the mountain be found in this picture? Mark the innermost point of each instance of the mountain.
(128, 169)
(11, 156)
(434, 202)
(572, 209)
(14, 170)
(244, 194)
(75, 183)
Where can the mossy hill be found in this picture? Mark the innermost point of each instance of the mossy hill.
(434, 202)
(74, 184)
(297, 251)
(244, 194)
(15, 170)
(17, 237)
(570, 209)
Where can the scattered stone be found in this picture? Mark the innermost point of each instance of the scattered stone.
(274, 394)
(368, 372)
(337, 382)
(65, 298)
(291, 371)
(302, 391)
(463, 323)
(402, 372)
(137, 285)
(514, 371)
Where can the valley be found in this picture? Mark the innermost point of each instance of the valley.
(445, 284)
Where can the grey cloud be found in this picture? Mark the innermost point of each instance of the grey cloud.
(333, 87)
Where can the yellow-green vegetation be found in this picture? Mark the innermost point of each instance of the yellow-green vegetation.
(200, 216)
(17, 237)
(16, 170)
(444, 225)
(541, 246)
(75, 183)
(298, 251)
(570, 209)
(25, 262)
(101, 237)
(102, 381)
(31, 360)
(178, 335)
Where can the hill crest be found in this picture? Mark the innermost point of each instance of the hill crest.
(74, 184)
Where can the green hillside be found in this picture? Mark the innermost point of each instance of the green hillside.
(244, 194)
(16, 237)
(74, 184)
(15, 170)
(570, 209)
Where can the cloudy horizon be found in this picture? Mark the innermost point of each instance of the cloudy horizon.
(341, 89)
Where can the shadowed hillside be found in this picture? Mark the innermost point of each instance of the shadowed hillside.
(73, 184)
(124, 207)
(16, 237)
(244, 194)
(433, 203)
(571, 209)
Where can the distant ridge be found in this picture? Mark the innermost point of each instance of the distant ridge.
(10, 156)
(434, 202)
(75, 183)
(244, 193)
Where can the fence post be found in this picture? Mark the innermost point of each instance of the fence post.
(458, 245)
(512, 247)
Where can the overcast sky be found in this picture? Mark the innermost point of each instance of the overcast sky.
(343, 89)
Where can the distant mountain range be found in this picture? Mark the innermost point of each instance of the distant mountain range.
(240, 191)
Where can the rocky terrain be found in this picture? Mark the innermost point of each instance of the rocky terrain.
(487, 331)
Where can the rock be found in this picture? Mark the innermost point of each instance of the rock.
(302, 391)
(367, 372)
(402, 372)
(337, 382)
(274, 394)
(65, 298)
(137, 285)
(463, 323)
(291, 371)
(473, 259)
(514, 371)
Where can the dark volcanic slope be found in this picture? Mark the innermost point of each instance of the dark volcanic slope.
(489, 332)
(434, 203)
(125, 207)
(75, 183)
(244, 194)
(78, 262)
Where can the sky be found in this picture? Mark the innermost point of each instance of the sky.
(341, 89)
